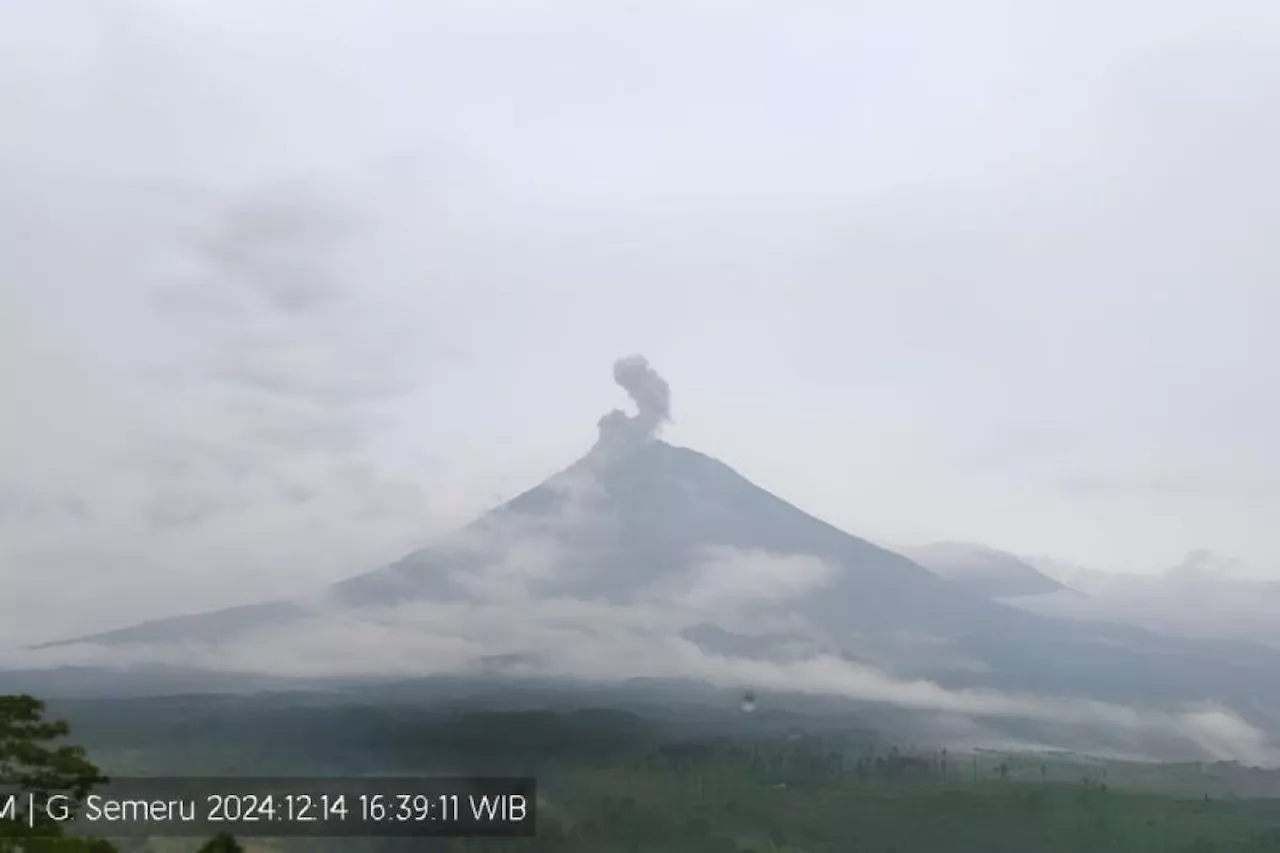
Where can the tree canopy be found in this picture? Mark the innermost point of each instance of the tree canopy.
(221, 843)
(35, 763)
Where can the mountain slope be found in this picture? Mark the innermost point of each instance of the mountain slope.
(982, 570)
(196, 627)
(622, 524)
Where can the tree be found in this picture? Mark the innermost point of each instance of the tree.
(34, 765)
(221, 843)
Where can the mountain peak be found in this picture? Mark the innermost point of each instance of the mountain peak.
(622, 523)
(633, 513)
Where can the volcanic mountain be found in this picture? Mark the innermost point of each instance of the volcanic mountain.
(638, 523)
(621, 523)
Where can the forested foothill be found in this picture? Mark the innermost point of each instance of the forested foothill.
(614, 780)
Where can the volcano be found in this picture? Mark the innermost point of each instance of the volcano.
(638, 520)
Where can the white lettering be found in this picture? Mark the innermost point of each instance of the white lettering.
(9, 807)
(511, 807)
(99, 809)
(58, 807)
(486, 808)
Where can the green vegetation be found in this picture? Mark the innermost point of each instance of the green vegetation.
(615, 782)
(796, 796)
(36, 763)
(221, 843)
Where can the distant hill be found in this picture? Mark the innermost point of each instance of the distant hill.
(983, 570)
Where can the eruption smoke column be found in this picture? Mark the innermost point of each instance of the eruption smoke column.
(652, 397)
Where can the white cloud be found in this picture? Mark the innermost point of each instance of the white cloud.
(1204, 595)
(728, 579)
(596, 641)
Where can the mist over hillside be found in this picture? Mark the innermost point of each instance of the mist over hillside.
(1202, 596)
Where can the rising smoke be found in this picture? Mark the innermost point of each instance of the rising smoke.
(652, 397)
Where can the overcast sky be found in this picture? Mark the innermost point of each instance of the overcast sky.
(288, 287)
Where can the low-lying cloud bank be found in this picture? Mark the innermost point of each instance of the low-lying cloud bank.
(1200, 597)
(595, 641)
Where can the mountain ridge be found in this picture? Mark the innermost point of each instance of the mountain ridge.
(987, 571)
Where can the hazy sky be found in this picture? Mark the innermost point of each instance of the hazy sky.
(287, 287)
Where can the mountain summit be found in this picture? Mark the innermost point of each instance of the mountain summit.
(624, 522)
(633, 515)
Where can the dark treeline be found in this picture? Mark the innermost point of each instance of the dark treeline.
(805, 795)
(616, 782)
(612, 782)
